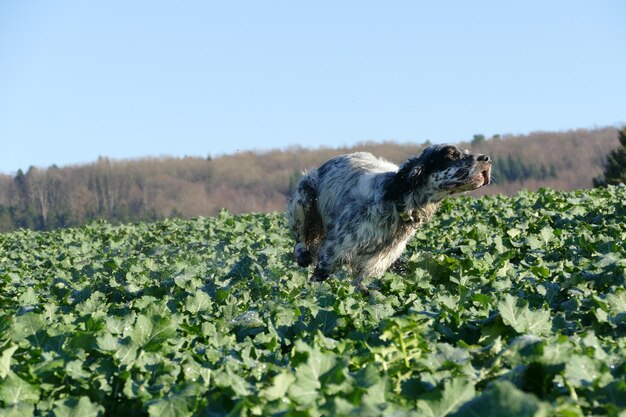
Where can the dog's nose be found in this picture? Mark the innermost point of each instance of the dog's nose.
(483, 158)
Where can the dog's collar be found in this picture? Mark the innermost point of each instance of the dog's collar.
(407, 216)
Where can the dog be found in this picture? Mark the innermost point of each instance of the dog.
(359, 211)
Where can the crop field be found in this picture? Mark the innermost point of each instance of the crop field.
(503, 306)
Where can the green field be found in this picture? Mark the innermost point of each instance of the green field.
(504, 307)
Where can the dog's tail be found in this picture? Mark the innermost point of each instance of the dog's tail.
(304, 219)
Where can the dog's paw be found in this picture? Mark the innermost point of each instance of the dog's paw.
(302, 255)
(316, 277)
(304, 258)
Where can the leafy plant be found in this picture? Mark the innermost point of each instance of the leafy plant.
(504, 306)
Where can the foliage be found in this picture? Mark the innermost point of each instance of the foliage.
(615, 169)
(504, 306)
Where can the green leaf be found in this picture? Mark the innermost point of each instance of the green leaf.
(280, 386)
(77, 407)
(305, 389)
(169, 407)
(32, 326)
(226, 379)
(367, 376)
(75, 370)
(309, 374)
(126, 353)
(513, 232)
(5, 360)
(534, 243)
(581, 371)
(541, 271)
(375, 395)
(441, 402)
(616, 303)
(503, 399)
(14, 390)
(107, 343)
(522, 319)
(142, 330)
(176, 404)
(547, 234)
(151, 332)
(28, 297)
(198, 302)
(18, 410)
(609, 259)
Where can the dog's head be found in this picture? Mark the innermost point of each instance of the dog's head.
(448, 168)
(440, 170)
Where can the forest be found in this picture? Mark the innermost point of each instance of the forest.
(121, 191)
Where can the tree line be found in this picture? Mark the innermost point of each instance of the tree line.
(513, 168)
(155, 188)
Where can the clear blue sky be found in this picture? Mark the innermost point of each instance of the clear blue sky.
(126, 79)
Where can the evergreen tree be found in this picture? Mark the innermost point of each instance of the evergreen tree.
(615, 168)
(543, 171)
(515, 168)
(553, 171)
(478, 139)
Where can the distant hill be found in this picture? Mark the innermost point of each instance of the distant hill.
(148, 189)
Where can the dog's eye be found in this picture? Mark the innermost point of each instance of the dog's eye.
(453, 154)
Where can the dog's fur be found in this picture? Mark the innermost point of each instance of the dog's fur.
(359, 211)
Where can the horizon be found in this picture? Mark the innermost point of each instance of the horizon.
(152, 80)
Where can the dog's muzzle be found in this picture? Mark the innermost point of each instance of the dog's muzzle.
(474, 175)
(484, 166)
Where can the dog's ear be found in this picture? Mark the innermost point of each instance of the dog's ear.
(408, 176)
(411, 172)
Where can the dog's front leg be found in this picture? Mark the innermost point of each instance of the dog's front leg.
(321, 272)
(325, 262)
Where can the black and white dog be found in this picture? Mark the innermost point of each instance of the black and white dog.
(360, 211)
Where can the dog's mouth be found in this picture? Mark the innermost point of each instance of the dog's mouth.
(480, 178)
(484, 176)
